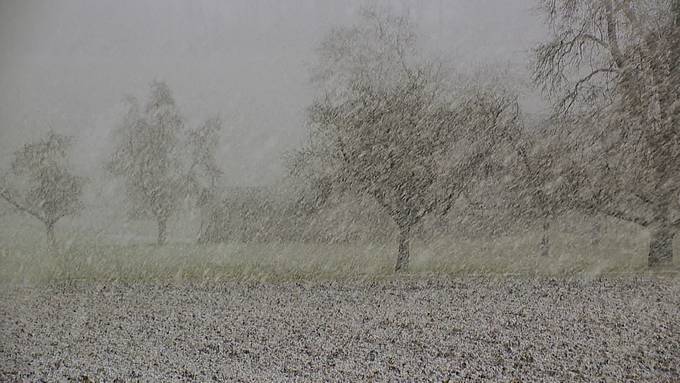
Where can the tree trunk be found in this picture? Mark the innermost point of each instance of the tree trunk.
(202, 228)
(162, 230)
(596, 232)
(404, 244)
(545, 239)
(661, 246)
(51, 239)
(207, 233)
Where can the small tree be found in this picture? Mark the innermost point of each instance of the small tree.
(614, 65)
(148, 156)
(42, 185)
(204, 172)
(385, 125)
(540, 188)
(203, 143)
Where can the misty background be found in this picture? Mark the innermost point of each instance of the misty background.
(68, 65)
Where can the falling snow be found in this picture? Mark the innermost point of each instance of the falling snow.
(344, 190)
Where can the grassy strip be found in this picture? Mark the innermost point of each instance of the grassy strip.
(305, 261)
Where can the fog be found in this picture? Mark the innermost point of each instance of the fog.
(68, 64)
(355, 190)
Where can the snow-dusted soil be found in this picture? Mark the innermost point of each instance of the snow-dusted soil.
(465, 329)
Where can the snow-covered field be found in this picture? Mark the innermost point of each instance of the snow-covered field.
(616, 329)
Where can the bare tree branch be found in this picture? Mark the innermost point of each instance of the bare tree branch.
(4, 193)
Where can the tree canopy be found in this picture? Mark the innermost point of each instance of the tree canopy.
(41, 182)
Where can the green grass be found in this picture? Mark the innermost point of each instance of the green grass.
(86, 256)
(177, 262)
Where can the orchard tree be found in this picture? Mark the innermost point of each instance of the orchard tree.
(385, 124)
(612, 67)
(204, 173)
(202, 145)
(540, 187)
(311, 180)
(149, 157)
(41, 184)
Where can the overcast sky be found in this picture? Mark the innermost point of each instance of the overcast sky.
(68, 64)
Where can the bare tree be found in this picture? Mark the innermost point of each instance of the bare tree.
(613, 64)
(311, 180)
(148, 156)
(386, 126)
(204, 171)
(538, 189)
(203, 143)
(42, 185)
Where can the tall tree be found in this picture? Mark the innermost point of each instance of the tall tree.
(613, 64)
(385, 125)
(41, 183)
(148, 156)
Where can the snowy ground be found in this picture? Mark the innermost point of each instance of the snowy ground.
(509, 329)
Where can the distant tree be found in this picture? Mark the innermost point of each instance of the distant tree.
(204, 172)
(203, 144)
(538, 190)
(385, 125)
(311, 180)
(149, 156)
(41, 184)
(612, 66)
